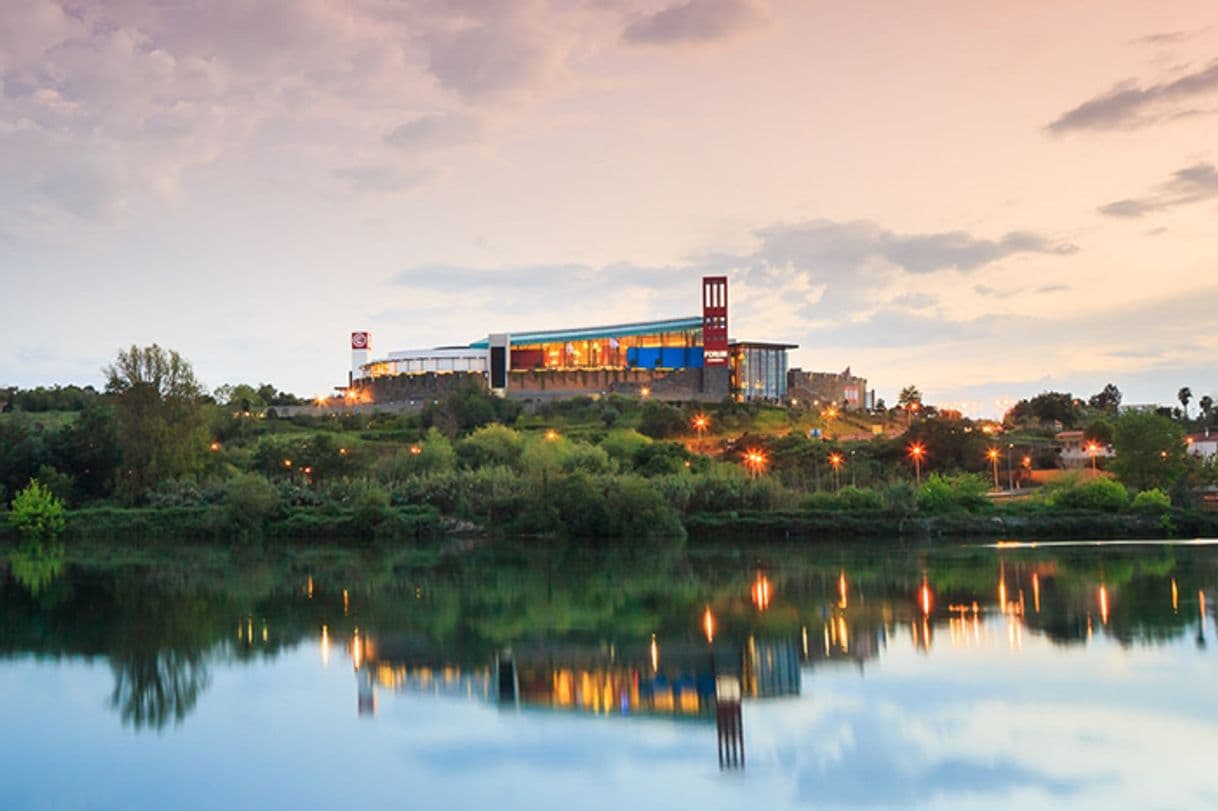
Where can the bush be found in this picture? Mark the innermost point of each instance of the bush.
(250, 500)
(660, 420)
(638, 511)
(819, 501)
(624, 445)
(1151, 501)
(859, 498)
(941, 494)
(1094, 494)
(36, 513)
(491, 445)
(371, 506)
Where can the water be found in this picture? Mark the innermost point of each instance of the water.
(861, 675)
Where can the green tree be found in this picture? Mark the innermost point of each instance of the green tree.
(1100, 430)
(1108, 399)
(1185, 396)
(1150, 450)
(160, 418)
(36, 513)
(1206, 404)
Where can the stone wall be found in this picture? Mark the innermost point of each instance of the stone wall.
(827, 387)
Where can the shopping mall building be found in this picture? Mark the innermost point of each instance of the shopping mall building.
(680, 359)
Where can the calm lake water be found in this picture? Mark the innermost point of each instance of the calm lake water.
(855, 676)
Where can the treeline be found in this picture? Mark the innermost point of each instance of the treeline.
(210, 464)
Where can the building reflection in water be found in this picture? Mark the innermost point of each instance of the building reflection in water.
(728, 659)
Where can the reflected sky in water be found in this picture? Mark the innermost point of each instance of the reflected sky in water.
(1049, 677)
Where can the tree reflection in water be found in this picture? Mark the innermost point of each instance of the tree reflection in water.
(36, 564)
(153, 687)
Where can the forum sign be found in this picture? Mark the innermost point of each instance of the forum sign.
(714, 321)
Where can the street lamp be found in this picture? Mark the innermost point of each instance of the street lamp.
(835, 459)
(992, 453)
(917, 451)
(700, 423)
(1093, 449)
(754, 462)
(1010, 470)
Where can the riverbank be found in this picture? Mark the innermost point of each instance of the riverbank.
(408, 523)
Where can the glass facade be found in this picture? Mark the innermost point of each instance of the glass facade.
(759, 371)
(597, 352)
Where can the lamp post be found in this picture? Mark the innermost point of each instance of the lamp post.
(916, 451)
(1010, 470)
(992, 453)
(700, 423)
(1093, 449)
(835, 459)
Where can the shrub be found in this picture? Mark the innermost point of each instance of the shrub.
(250, 499)
(371, 505)
(819, 501)
(942, 494)
(624, 445)
(660, 458)
(859, 498)
(584, 458)
(36, 512)
(492, 444)
(637, 510)
(1151, 501)
(660, 420)
(1095, 494)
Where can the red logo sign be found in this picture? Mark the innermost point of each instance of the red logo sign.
(360, 340)
(714, 321)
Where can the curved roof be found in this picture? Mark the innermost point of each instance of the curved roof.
(592, 333)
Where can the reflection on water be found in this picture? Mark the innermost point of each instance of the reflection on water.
(693, 641)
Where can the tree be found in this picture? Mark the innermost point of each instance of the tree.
(160, 418)
(37, 513)
(1206, 404)
(1185, 395)
(1048, 406)
(1100, 430)
(908, 396)
(1150, 450)
(1108, 399)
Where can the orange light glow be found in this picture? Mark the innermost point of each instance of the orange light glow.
(701, 422)
(357, 650)
(287, 462)
(655, 654)
(755, 462)
(551, 435)
(325, 646)
(708, 625)
(1103, 601)
(215, 446)
(1036, 592)
(924, 598)
(1175, 596)
(645, 392)
(342, 451)
(835, 459)
(917, 450)
(841, 591)
(992, 454)
(761, 592)
(415, 450)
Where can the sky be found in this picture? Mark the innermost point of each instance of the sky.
(986, 200)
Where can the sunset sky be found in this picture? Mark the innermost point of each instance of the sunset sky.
(983, 199)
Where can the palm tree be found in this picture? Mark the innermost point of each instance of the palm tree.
(1184, 396)
(1207, 406)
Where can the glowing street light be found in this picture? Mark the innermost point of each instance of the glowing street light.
(1093, 449)
(708, 624)
(645, 392)
(761, 592)
(755, 462)
(701, 422)
(836, 460)
(551, 435)
(992, 455)
(917, 452)
(215, 446)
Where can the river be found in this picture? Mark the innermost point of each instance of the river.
(854, 675)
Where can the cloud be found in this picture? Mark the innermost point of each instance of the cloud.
(436, 131)
(1128, 106)
(831, 247)
(697, 22)
(380, 178)
(1171, 37)
(1192, 184)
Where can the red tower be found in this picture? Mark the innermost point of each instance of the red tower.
(714, 321)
